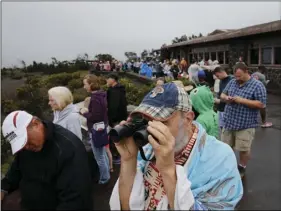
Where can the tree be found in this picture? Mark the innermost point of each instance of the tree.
(131, 55)
(175, 40)
(24, 66)
(144, 54)
(200, 35)
(86, 56)
(183, 38)
(54, 61)
(104, 57)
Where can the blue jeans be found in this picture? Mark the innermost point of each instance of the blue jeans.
(103, 163)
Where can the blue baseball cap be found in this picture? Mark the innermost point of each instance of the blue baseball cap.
(201, 74)
(161, 102)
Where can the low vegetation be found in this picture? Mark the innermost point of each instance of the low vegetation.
(32, 96)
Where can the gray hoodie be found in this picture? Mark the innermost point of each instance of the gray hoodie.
(69, 118)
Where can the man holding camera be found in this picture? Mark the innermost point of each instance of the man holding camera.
(181, 167)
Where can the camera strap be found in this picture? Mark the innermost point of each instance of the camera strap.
(143, 155)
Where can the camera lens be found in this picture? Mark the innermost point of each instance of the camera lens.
(141, 137)
(119, 132)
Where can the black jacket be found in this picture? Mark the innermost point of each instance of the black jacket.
(117, 104)
(56, 178)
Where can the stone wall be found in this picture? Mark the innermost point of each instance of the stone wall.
(135, 77)
(237, 48)
(274, 75)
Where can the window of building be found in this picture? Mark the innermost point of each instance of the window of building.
(206, 56)
(213, 56)
(190, 58)
(277, 55)
(226, 57)
(220, 57)
(254, 56)
(200, 56)
(195, 56)
(266, 54)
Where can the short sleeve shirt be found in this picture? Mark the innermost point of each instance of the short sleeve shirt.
(238, 116)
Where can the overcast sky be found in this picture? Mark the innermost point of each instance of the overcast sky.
(38, 31)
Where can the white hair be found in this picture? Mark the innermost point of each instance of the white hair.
(61, 95)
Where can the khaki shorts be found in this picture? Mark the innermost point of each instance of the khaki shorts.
(241, 140)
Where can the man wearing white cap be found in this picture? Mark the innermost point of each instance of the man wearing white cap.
(50, 167)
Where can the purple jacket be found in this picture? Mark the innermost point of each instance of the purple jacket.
(97, 109)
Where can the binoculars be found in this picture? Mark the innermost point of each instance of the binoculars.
(137, 128)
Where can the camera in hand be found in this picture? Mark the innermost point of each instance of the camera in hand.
(136, 128)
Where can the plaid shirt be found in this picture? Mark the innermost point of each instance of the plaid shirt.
(238, 116)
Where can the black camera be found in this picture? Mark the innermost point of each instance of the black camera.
(137, 128)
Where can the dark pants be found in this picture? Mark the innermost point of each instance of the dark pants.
(114, 151)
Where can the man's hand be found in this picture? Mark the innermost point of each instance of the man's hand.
(217, 101)
(128, 151)
(238, 99)
(84, 110)
(163, 143)
(127, 148)
(229, 99)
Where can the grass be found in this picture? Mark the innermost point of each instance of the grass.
(5, 166)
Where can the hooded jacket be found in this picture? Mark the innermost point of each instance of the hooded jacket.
(117, 104)
(97, 109)
(69, 118)
(203, 102)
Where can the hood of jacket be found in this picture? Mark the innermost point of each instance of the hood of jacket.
(59, 116)
(98, 95)
(202, 99)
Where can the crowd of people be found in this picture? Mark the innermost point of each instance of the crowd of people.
(187, 163)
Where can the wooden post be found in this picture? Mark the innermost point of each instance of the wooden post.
(260, 55)
(272, 56)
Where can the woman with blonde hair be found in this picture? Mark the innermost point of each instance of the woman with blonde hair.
(65, 113)
(97, 123)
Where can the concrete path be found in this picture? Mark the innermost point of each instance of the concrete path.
(262, 184)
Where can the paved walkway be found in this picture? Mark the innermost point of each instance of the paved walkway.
(262, 183)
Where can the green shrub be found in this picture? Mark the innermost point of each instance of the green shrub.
(5, 149)
(8, 106)
(79, 95)
(76, 75)
(61, 79)
(134, 93)
(33, 81)
(24, 92)
(75, 84)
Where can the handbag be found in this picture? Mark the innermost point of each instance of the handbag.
(99, 137)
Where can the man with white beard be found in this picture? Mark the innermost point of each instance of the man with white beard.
(181, 167)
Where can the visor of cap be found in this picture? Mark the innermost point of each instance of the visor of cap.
(20, 141)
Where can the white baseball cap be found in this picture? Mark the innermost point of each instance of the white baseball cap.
(14, 129)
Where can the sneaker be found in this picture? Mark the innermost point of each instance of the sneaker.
(267, 124)
(116, 161)
(242, 171)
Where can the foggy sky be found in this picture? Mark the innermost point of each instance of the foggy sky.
(37, 31)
